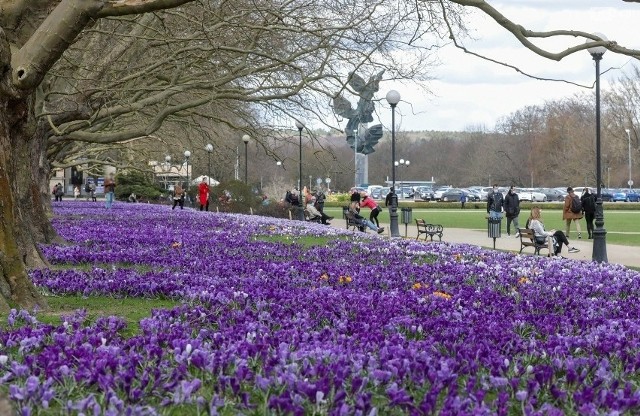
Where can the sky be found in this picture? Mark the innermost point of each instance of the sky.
(468, 92)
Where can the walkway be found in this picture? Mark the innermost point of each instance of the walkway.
(626, 255)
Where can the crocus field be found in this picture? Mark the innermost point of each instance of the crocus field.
(284, 317)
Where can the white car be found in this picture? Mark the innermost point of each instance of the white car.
(528, 194)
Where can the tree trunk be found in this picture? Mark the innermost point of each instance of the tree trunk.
(23, 221)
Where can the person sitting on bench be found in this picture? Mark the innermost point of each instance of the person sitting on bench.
(354, 210)
(558, 238)
(314, 213)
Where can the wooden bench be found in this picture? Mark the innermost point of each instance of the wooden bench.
(307, 217)
(429, 230)
(352, 223)
(528, 239)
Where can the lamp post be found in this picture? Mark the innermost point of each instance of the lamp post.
(300, 210)
(246, 139)
(187, 155)
(300, 126)
(599, 253)
(166, 167)
(393, 98)
(209, 149)
(630, 182)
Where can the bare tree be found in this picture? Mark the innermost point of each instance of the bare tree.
(79, 76)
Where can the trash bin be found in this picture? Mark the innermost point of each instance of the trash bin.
(406, 215)
(406, 218)
(494, 225)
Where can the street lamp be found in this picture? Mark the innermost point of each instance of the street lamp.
(300, 126)
(300, 210)
(393, 98)
(209, 149)
(187, 155)
(599, 253)
(246, 139)
(630, 183)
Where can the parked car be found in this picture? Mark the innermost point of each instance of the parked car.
(407, 192)
(554, 194)
(529, 194)
(454, 194)
(437, 194)
(605, 194)
(633, 195)
(620, 195)
(626, 195)
(425, 193)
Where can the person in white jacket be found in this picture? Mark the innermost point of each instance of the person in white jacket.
(558, 238)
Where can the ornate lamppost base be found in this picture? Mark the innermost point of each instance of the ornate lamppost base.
(599, 253)
(393, 217)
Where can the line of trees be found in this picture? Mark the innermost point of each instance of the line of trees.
(84, 81)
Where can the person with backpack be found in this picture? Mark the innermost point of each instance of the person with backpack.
(572, 211)
(589, 208)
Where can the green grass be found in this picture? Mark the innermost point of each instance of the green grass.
(623, 227)
(132, 310)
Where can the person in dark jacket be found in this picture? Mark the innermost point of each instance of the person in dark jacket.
(512, 210)
(589, 209)
(389, 198)
(495, 203)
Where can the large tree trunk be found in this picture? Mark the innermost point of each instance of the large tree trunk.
(21, 225)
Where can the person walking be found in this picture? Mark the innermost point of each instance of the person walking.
(203, 195)
(463, 200)
(109, 191)
(178, 197)
(572, 212)
(58, 192)
(512, 210)
(368, 202)
(589, 209)
(92, 191)
(76, 192)
(495, 203)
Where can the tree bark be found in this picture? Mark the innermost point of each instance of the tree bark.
(17, 225)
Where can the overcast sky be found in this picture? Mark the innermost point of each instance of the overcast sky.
(470, 92)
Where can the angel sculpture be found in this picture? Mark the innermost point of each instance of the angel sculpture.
(360, 137)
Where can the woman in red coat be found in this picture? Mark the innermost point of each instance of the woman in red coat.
(368, 202)
(203, 194)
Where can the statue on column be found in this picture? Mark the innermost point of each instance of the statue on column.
(359, 136)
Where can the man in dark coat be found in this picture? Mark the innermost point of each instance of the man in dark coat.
(512, 210)
(495, 203)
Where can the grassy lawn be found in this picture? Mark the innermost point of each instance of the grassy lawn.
(623, 227)
(131, 309)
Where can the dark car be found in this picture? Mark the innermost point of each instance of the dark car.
(454, 194)
(606, 194)
(553, 194)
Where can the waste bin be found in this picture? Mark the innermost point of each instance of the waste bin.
(406, 218)
(494, 226)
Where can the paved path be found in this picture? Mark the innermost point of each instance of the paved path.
(627, 255)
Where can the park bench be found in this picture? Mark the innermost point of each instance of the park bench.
(352, 223)
(308, 217)
(429, 230)
(528, 239)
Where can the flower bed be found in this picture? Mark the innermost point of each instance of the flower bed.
(358, 324)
